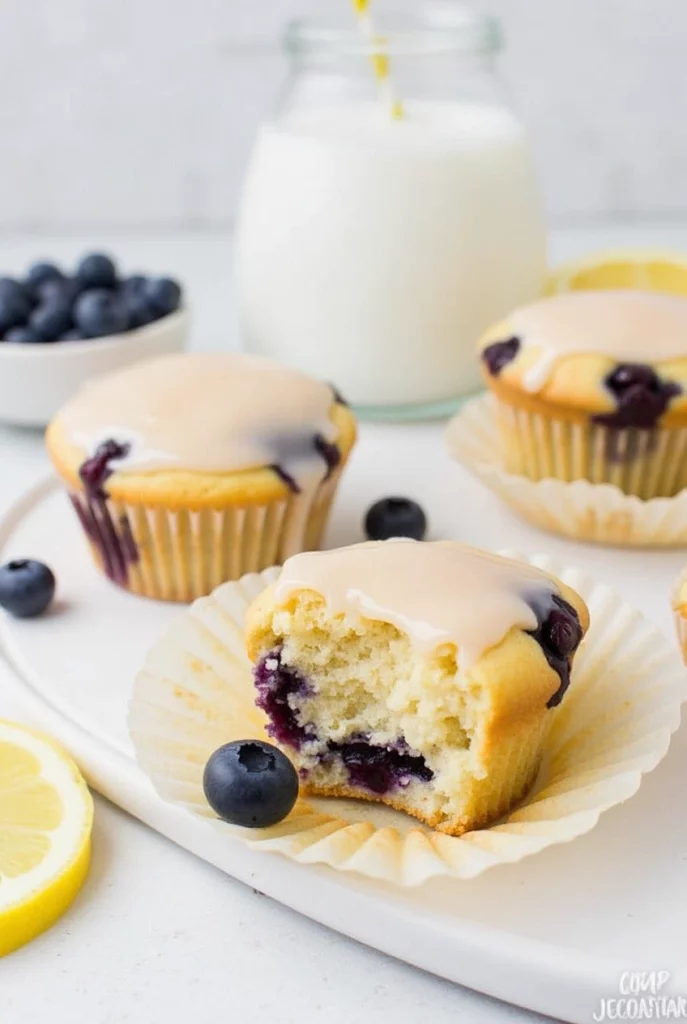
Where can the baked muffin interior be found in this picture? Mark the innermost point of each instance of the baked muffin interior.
(365, 710)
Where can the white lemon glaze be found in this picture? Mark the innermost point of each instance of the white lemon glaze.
(209, 412)
(438, 592)
(627, 325)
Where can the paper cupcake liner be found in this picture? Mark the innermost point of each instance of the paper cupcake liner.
(195, 693)
(599, 512)
(644, 463)
(181, 554)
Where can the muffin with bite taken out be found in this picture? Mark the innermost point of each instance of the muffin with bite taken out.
(420, 675)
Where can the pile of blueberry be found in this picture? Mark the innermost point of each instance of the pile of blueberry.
(49, 305)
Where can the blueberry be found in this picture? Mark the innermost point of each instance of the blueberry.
(74, 334)
(395, 517)
(163, 294)
(97, 469)
(21, 336)
(98, 312)
(250, 783)
(57, 288)
(641, 397)
(51, 319)
(132, 284)
(329, 452)
(139, 309)
(499, 354)
(277, 686)
(14, 310)
(26, 587)
(627, 375)
(96, 271)
(11, 287)
(39, 273)
(381, 768)
(561, 633)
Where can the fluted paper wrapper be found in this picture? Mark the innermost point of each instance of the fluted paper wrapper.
(195, 692)
(598, 512)
(175, 554)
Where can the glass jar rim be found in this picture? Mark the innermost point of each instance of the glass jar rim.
(448, 28)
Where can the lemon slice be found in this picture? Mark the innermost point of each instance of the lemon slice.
(46, 815)
(649, 269)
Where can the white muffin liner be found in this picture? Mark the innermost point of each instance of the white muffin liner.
(195, 693)
(601, 513)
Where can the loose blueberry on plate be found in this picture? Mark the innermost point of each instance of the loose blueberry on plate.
(26, 587)
(51, 319)
(98, 312)
(96, 271)
(250, 783)
(163, 294)
(395, 517)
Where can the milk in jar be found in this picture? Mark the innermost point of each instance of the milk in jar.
(373, 252)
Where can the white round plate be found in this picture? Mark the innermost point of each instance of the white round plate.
(552, 933)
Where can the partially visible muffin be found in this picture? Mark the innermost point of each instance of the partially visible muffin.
(189, 470)
(592, 385)
(420, 675)
(679, 604)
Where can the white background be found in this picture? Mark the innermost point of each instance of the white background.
(140, 113)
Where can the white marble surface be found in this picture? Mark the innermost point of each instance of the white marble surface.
(157, 935)
(142, 112)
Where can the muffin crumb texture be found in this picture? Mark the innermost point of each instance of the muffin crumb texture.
(363, 711)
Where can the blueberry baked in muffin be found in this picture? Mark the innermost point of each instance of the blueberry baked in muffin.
(421, 675)
(592, 385)
(189, 470)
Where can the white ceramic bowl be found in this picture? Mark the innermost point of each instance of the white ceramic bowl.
(36, 380)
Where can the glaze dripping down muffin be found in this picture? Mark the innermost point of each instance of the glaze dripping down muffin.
(593, 385)
(421, 675)
(190, 470)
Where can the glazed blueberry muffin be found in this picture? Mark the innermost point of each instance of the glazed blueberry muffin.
(421, 675)
(189, 470)
(593, 386)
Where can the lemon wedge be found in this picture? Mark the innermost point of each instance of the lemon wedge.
(46, 815)
(648, 269)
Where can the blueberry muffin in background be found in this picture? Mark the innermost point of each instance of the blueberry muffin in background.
(592, 385)
(419, 675)
(192, 469)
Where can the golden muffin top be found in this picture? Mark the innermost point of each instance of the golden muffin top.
(592, 350)
(204, 413)
(443, 592)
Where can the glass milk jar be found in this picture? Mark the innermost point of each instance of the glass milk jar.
(373, 249)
